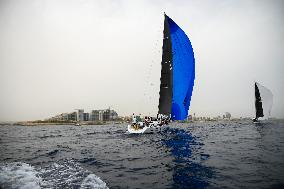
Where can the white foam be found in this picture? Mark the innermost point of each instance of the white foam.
(19, 175)
(93, 182)
(57, 175)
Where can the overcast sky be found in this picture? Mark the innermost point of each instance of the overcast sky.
(59, 55)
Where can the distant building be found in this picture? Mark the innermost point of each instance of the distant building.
(94, 115)
(85, 116)
(109, 115)
(113, 115)
(65, 117)
(106, 115)
(103, 115)
(80, 114)
(72, 116)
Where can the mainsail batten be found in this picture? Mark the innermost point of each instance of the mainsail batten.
(180, 72)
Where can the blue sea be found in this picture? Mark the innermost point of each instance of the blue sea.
(228, 154)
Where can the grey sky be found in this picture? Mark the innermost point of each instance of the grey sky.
(58, 55)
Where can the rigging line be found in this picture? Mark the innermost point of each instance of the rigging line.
(156, 51)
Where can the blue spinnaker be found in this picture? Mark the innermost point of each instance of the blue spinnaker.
(183, 71)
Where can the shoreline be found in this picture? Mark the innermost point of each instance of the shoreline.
(35, 123)
(85, 123)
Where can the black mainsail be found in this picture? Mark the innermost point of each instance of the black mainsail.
(258, 103)
(165, 101)
(263, 101)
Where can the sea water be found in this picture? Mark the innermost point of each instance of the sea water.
(228, 154)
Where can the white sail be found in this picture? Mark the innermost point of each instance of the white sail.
(266, 99)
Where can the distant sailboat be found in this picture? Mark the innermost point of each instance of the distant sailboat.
(263, 102)
(177, 77)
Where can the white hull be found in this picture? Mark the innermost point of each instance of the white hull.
(262, 122)
(146, 129)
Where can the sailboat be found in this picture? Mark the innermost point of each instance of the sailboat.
(263, 102)
(177, 78)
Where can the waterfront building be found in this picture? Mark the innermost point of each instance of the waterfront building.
(64, 117)
(86, 116)
(109, 115)
(106, 115)
(80, 114)
(94, 115)
(103, 115)
(72, 116)
(113, 115)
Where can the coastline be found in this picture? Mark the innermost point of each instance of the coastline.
(85, 123)
(42, 123)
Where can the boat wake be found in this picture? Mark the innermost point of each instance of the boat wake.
(19, 175)
(67, 174)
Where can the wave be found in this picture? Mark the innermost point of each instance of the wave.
(92, 181)
(66, 174)
(49, 136)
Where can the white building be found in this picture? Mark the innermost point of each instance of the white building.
(80, 114)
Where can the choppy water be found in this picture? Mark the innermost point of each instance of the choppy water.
(196, 155)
